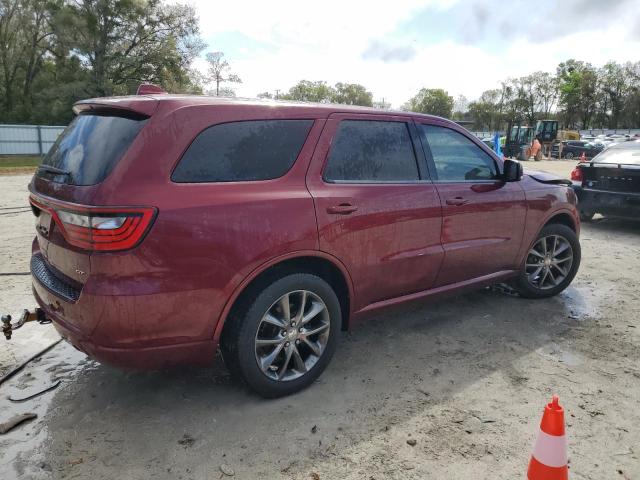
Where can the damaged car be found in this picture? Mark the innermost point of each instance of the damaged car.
(169, 226)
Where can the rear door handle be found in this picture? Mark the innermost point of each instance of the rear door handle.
(342, 209)
(457, 201)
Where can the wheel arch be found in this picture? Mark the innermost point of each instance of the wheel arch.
(324, 265)
(563, 218)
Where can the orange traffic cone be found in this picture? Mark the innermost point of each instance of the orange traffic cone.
(583, 158)
(549, 458)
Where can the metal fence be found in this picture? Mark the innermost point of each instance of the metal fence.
(27, 139)
(619, 131)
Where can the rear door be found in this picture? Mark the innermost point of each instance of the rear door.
(483, 217)
(377, 210)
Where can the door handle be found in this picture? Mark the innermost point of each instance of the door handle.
(457, 201)
(342, 209)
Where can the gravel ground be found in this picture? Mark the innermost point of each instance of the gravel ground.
(466, 378)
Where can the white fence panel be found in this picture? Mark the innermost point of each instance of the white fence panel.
(27, 139)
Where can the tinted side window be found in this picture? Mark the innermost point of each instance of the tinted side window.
(243, 151)
(456, 157)
(374, 151)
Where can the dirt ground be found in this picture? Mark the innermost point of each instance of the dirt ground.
(465, 377)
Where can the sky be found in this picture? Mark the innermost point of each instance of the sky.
(394, 48)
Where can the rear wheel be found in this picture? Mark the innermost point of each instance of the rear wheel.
(569, 155)
(283, 338)
(551, 263)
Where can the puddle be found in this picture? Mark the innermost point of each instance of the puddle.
(21, 454)
(580, 301)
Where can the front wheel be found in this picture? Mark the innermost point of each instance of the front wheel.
(280, 341)
(569, 155)
(550, 264)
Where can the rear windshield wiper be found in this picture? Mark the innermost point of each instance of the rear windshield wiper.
(56, 170)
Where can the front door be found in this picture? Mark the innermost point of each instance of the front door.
(377, 210)
(483, 217)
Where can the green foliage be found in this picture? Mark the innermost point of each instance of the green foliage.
(307, 91)
(320, 92)
(577, 82)
(579, 96)
(434, 101)
(54, 52)
(352, 94)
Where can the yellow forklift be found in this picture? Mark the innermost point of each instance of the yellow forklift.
(520, 139)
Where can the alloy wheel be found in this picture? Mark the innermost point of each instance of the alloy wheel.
(549, 262)
(292, 335)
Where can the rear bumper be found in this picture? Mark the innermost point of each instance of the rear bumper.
(617, 204)
(144, 358)
(130, 331)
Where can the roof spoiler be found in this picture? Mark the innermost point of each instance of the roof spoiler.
(150, 89)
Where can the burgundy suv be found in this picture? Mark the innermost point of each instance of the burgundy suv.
(170, 225)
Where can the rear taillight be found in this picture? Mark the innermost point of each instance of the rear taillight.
(576, 174)
(100, 228)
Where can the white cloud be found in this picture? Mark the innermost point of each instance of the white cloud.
(326, 41)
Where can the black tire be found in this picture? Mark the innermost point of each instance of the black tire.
(238, 340)
(526, 288)
(569, 155)
(586, 216)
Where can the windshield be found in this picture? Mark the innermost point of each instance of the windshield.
(628, 153)
(89, 148)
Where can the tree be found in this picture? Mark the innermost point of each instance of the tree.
(125, 42)
(485, 111)
(351, 94)
(321, 92)
(434, 101)
(460, 107)
(219, 73)
(526, 98)
(307, 91)
(25, 33)
(545, 87)
(577, 89)
(615, 86)
(631, 113)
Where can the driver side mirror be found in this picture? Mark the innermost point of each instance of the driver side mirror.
(513, 171)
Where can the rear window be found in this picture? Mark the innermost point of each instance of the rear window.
(89, 148)
(628, 154)
(243, 151)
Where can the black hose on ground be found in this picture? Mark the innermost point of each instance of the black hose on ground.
(24, 364)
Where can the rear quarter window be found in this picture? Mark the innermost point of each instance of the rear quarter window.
(243, 151)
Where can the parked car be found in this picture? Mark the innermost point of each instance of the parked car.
(575, 148)
(488, 142)
(167, 226)
(610, 183)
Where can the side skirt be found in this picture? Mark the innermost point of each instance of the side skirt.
(452, 289)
